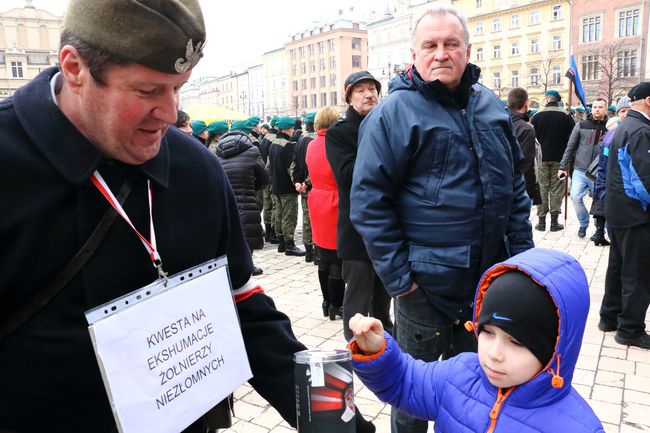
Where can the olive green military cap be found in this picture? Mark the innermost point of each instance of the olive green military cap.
(165, 35)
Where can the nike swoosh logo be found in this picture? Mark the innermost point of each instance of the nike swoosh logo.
(495, 317)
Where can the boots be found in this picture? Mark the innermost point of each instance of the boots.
(555, 225)
(541, 225)
(291, 249)
(599, 237)
(337, 288)
(323, 279)
(273, 239)
(309, 253)
(282, 247)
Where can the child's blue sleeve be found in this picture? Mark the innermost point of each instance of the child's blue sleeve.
(413, 386)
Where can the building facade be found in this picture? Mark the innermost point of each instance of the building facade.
(256, 90)
(609, 45)
(320, 59)
(520, 43)
(275, 72)
(29, 43)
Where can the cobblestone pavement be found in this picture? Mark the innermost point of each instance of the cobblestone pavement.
(614, 379)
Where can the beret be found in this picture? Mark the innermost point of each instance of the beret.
(554, 93)
(310, 117)
(285, 122)
(254, 120)
(219, 127)
(167, 36)
(198, 126)
(242, 125)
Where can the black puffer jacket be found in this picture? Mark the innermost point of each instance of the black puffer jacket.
(245, 169)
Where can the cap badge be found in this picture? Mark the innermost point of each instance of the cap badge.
(192, 56)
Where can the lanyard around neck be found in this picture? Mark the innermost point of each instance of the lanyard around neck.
(150, 246)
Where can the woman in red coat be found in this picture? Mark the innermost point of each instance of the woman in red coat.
(323, 214)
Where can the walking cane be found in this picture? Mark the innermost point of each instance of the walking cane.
(566, 199)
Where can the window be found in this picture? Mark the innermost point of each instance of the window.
(591, 29)
(303, 67)
(515, 78)
(557, 43)
(479, 3)
(293, 54)
(314, 101)
(312, 65)
(2, 57)
(534, 16)
(496, 53)
(628, 23)
(333, 80)
(534, 76)
(294, 69)
(496, 80)
(295, 85)
(295, 103)
(333, 98)
(323, 99)
(478, 28)
(312, 83)
(323, 81)
(496, 24)
(304, 84)
(356, 43)
(17, 69)
(355, 26)
(312, 50)
(304, 101)
(534, 46)
(626, 63)
(557, 12)
(514, 21)
(589, 67)
(332, 44)
(557, 75)
(301, 52)
(356, 61)
(332, 62)
(321, 47)
(322, 64)
(479, 54)
(514, 48)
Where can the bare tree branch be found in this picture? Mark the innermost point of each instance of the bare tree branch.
(611, 82)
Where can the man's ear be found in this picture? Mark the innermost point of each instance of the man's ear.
(74, 70)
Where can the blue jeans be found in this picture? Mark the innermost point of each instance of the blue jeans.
(426, 334)
(580, 184)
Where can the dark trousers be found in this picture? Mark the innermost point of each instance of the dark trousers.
(426, 334)
(627, 282)
(364, 294)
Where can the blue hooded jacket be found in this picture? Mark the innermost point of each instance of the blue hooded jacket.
(438, 194)
(457, 394)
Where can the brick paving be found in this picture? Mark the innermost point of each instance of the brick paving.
(614, 379)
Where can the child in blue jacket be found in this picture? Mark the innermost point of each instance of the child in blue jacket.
(529, 318)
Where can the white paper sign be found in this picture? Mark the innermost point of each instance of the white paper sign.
(168, 355)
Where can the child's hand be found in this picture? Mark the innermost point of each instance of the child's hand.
(368, 332)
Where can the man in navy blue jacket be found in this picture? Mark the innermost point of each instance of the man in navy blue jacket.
(438, 194)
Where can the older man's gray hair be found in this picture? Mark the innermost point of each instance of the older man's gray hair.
(441, 11)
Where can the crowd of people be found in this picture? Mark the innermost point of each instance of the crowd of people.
(422, 200)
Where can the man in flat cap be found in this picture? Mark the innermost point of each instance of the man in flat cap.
(581, 150)
(438, 194)
(627, 210)
(106, 112)
(364, 292)
(553, 128)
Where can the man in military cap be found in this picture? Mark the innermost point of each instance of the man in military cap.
(270, 206)
(107, 110)
(364, 291)
(286, 197)
(300, 175)
(553, 128)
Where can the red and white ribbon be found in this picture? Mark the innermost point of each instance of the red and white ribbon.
(150, 245)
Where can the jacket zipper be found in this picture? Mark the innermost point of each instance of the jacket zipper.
(496, 409)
